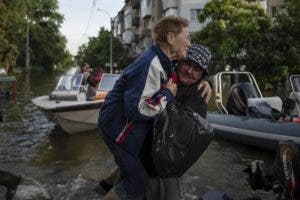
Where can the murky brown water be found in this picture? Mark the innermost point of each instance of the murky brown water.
(69, 166)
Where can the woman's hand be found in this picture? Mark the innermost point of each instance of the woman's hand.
(172, 87)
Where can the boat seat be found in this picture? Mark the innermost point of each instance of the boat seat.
(274, 102)
(238, 98)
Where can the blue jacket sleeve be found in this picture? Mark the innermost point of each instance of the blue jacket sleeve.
(145, 96)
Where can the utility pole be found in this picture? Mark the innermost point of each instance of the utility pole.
(111, 46)
(27, 43)
(111, 40)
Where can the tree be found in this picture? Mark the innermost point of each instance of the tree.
(286, 35)
(10, 32)
(232, 27)
(47, 45)
(96, 51)
(238, 33)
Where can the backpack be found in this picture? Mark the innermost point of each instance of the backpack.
(95, 76)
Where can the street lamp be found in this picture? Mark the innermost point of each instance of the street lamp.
(111, 41)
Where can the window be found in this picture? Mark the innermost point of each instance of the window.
(145, 3)
(146, 24)
(274, 11)
(195, 13)
(128, 21)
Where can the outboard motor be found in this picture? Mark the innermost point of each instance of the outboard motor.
(283, 178)
(239, 94)
(287, 168)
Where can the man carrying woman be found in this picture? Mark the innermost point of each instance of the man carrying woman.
(141, 93)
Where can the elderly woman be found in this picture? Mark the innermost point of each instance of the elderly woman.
(141, 93)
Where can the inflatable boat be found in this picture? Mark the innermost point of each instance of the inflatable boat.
(246, 117)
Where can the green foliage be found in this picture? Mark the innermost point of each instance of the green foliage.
(232, 27)
(47, 45)
(286, 35)
(97, 51)
(238, 32)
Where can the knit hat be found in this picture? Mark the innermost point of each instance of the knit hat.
(200, 54)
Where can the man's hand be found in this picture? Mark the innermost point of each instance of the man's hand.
(205, 89)
(172, 87)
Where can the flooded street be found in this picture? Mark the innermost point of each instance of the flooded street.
(68, 167)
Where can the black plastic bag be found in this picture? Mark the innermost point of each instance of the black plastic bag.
(180, 137)
(263, 110)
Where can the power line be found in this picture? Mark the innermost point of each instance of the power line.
(90, 17)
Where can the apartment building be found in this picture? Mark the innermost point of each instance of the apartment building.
(134, 21)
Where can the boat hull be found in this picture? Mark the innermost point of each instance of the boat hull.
(257, 132)
(79, 121)
(72, 117)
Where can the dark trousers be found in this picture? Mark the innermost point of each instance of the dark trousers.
(134, 179)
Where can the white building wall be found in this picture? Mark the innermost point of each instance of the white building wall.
(185, 10)
(128, 18)
(146, 8)
(166, 4)
(171, 11)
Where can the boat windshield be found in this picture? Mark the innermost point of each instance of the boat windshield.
(107, 81)
(69, 82)
(295, 82)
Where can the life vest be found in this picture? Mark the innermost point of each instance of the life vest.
(95, 76)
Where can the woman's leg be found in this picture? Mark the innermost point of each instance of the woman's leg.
(106, 184)
(134, 180)
(113, 176)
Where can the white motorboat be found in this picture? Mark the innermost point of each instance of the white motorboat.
(68, 104)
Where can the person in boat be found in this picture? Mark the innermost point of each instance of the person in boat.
(142, 92)
(93, 83)
(191, 72)
(86, 71)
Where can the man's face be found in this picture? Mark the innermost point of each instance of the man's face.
(181, 44)
(189, 73)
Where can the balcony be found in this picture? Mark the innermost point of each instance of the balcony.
(169, 4)
(127, 37)
(146, 12)
(146, 7)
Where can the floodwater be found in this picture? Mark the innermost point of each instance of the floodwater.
(68, 167)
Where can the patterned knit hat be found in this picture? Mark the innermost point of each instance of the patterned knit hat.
(200, 54)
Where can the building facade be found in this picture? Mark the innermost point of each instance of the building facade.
(135, 20)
